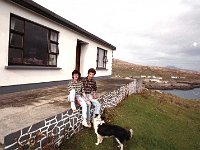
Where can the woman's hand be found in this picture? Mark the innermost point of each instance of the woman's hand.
(78, 102)
(94, 96)
(87, 101)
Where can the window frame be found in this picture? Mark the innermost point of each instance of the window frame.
(105, 54)
(53, 42)
(49, 41)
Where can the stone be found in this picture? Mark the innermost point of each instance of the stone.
(14, 146)
(49, 119)
(12, 138)
(60, 123)
(25, 130)
(51, 127)
(59, 117)
(37, 126)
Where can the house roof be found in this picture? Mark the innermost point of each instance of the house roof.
(31, 5)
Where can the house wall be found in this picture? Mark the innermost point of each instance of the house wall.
(67, 51)
(89, 57)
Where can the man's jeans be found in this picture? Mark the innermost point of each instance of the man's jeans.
(72, 97)
(95, 103)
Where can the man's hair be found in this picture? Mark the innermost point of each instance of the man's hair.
(76, 72)
(92, 70)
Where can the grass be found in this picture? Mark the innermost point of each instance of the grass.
(158, 124)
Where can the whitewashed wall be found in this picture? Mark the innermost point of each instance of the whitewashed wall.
(67, 50)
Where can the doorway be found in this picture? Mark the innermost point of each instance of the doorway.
(78, 55)
(81, 50)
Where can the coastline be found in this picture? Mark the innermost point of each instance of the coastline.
(172, 85)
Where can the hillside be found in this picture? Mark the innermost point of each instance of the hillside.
(125, 69)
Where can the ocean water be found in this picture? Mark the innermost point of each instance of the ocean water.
(187, 94)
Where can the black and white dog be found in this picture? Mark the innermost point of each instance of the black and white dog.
(105, 130)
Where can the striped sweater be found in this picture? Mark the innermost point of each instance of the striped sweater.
(77, 85)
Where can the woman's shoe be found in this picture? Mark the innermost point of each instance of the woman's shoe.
(85, 124)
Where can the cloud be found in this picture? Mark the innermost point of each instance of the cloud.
(145, 32)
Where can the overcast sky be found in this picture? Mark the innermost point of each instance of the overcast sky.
(147, 32)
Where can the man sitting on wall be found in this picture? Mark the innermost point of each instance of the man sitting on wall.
(90, 90)
(76, 91)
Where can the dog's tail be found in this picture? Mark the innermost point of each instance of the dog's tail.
(131, 133)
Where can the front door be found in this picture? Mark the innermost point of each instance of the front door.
(78, 55)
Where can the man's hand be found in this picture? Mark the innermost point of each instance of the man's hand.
(86, 98)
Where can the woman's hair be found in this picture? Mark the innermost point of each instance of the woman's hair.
(76, 72)
(92, 70)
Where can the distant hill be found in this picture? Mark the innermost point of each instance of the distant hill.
(184, 70)
(173, 67)
(126, 69)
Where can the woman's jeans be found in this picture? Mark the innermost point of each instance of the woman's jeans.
(72, 97)
(85, 111)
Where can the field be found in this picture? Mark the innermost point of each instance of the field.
(159, 122)
(125, 69)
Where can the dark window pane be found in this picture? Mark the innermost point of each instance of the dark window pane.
(52, 60)
(102, 58)
(35, 44)
(17, 24)
(53, 48)
(54, 36)
(105, 53)
(15, 56)
(16, 40)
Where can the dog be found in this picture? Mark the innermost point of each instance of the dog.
(105, 130)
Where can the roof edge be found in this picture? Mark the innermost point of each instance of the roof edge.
(31, 5)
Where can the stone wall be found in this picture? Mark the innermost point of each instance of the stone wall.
(52, 131)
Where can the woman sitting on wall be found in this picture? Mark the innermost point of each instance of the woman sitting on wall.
(76, 91)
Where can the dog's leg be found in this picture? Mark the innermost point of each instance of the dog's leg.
(101, 139)
(131, 133)
(98, 140)
(120, 144)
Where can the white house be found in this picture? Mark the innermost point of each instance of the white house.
(174, 77)
(39, 48)
(143, 76)
(155, 80)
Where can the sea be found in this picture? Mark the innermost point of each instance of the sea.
(186, 94)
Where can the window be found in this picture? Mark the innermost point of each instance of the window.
(31, 43)
(101, 58)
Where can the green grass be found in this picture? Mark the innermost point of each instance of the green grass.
(157, 125)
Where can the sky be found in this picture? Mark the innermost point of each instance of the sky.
(147, 32)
